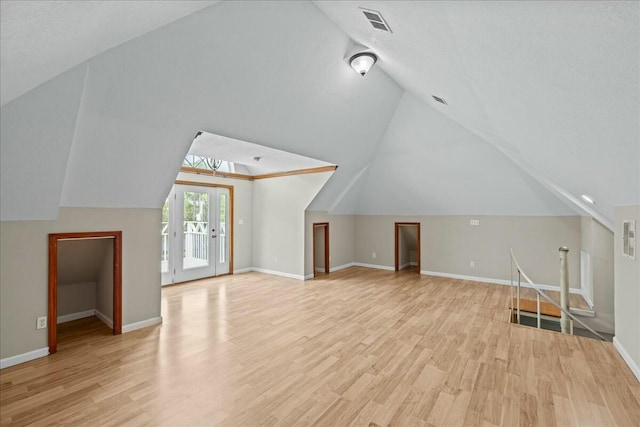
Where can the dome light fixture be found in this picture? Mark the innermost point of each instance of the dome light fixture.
(362, 62)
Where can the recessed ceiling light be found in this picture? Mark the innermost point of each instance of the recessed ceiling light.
(588, 199)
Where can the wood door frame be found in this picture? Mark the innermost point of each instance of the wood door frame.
(231, 213)
(54, 238)
(397, 238)
(326, 246)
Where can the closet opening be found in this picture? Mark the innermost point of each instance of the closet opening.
(85, 280)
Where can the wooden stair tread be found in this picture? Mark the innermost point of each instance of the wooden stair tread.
(530, 306)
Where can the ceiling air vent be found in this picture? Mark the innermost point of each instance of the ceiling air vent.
(376, 19)
(440, 100)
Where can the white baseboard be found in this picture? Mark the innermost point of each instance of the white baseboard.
(376, 266)
(75, 316)
(403, 266)
(627, 358)
(279, 273)
(24, 357)
(242, 270)
(107, 321)
(142, 324)
(341, 267)
(320, 269)
(497, 281)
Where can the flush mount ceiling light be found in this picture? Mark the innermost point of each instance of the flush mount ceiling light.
(362, 62)
(588, 199)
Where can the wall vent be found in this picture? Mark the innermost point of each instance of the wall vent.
(440, 100)
(376, 19)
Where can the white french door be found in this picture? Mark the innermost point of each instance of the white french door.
(195, 233)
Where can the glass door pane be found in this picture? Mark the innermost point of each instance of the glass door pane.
(165, 237)
(222, 236)
(195, 230)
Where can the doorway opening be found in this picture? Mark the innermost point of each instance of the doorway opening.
(407, 246)
(321, 257)
(197, 232)
(108, 276)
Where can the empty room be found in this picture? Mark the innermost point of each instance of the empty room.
(368, 213)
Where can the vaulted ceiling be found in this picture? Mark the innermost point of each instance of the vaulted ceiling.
(101, 101)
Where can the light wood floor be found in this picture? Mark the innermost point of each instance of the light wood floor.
(358, 347)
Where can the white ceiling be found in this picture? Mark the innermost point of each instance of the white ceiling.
(41, 39)
(545, 96)
(242, 152)
(558, 83)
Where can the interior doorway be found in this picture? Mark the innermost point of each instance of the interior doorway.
(55, 241)
(321, 256)
(407, 245)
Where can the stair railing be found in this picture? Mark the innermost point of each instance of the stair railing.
(540, 293)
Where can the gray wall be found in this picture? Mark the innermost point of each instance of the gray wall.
(80, 263)
(76, 297)
(449, 244)
(407, 245)
(627, 288)
(341, 239)
(104, 284)
(24, 269)
(319, 249)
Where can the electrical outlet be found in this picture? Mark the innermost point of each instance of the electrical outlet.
(276, 260)
(240, 221)
(373, 255)
(41, 322)
(474, 222)
(472, 264)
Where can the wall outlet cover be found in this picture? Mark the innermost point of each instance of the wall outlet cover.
(41, 322)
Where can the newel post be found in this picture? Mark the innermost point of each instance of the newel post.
(564, 290)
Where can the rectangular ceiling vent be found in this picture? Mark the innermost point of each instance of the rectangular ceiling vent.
(376, 19)
(440, 100)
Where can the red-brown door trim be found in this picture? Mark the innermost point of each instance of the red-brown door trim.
(54, 238)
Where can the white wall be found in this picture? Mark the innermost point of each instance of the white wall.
(597, 241)
(279, 233)
(627, 292)
(36, 134)
(24, 270)
(144, 100)
(428, 164)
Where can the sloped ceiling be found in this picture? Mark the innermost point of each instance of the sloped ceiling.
(254, 158)
(538, 92)
(41, 39)
(554, 83)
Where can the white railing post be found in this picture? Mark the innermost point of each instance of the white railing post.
(538, 308)
(518, 296)
(564, 291)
